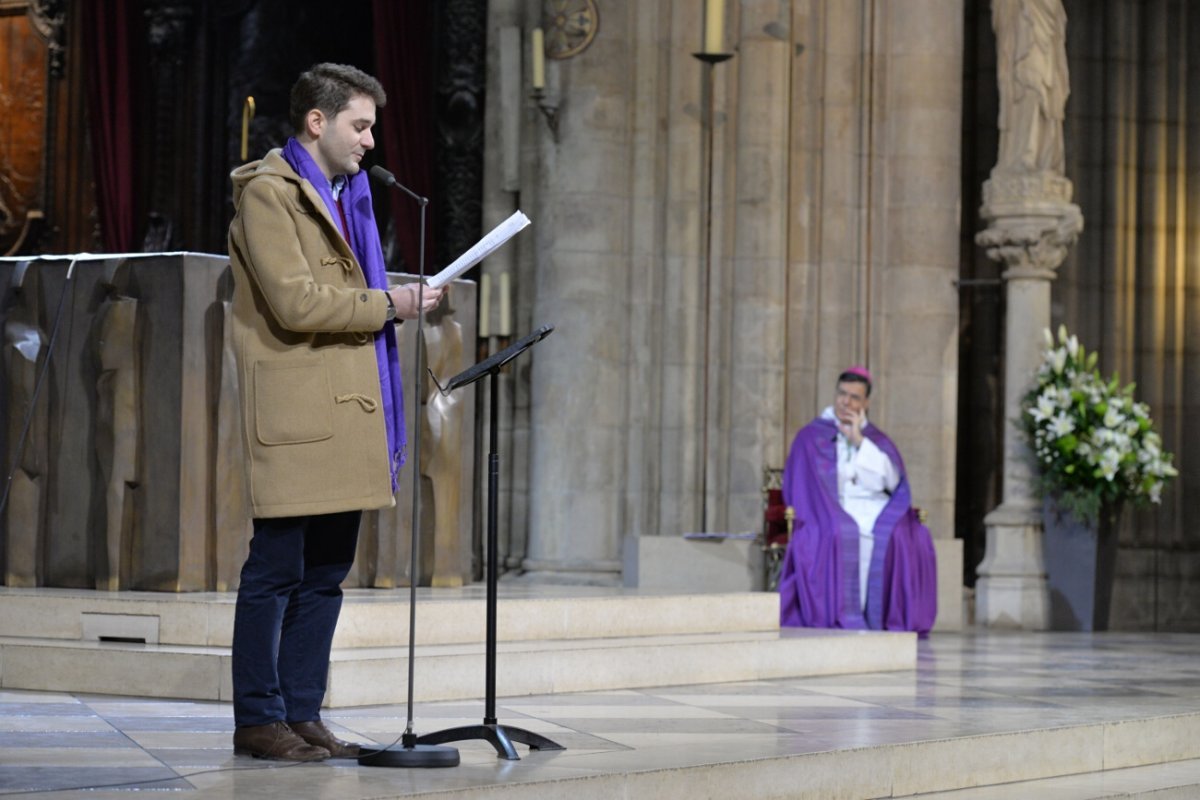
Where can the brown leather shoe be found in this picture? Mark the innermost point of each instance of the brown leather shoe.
(275, 741)
(315, 733)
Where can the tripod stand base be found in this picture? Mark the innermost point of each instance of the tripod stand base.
(418, 755)
(500, 736)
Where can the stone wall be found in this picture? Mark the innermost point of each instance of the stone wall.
(1131, 288)
(698, 330)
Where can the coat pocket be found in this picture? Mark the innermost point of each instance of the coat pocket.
(293, 403)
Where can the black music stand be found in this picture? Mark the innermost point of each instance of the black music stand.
(500, 736)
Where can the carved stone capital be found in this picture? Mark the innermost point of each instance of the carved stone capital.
(1032, 240)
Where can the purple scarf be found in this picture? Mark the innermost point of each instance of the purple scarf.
(364, 242)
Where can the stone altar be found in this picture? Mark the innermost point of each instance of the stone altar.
(128, 472)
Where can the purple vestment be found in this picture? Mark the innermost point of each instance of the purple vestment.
(818, 586)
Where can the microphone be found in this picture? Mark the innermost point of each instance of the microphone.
(383, 176)
(388, 179)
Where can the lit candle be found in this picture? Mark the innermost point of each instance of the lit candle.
(485, 296)
(504, 327)
(539, 60)
(714, 26)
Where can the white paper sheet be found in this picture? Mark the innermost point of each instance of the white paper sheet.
(481, 249)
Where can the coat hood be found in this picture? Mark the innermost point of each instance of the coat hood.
(272, 164)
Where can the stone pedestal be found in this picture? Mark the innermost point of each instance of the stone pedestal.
(1032, 226)
(676, 564)
(949, 584)
(1011, 592)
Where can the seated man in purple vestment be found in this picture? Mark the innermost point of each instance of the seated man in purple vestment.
(859, 556)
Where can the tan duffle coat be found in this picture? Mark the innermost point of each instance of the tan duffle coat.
(303, 322)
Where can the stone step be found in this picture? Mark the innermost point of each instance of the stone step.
(1130, 758)
(1177, 780)
(369, 676)
(380, 618)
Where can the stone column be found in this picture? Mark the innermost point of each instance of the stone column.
(1032, 224)
(750, 276)
(506, 106)
(577, 388)
(1031, 237)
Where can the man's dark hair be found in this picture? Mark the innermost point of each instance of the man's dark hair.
(329, 88)
(854, 377)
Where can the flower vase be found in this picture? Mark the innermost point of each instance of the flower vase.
(1079, 557)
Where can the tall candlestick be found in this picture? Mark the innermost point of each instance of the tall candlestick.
(539, 59)
(714, 26)
(247, 115)
(504, 327)
(485, 311)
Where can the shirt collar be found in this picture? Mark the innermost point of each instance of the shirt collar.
(336, 186)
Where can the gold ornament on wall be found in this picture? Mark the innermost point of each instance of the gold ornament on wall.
(570, 26)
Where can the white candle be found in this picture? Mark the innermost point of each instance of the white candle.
(714, 26)
(539, 59)
(485, 312)
(504, 327)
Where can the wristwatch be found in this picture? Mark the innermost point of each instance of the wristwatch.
(391, 309)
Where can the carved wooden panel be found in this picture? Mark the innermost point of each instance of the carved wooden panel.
(23, 74)
(461, 79)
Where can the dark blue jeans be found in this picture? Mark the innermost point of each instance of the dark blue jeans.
(287, 608)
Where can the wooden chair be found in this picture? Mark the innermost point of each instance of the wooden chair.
(778, 521)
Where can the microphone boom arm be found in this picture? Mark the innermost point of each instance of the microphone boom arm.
(388, 179)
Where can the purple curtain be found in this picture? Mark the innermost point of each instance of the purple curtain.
(404, 65)
(110, 118)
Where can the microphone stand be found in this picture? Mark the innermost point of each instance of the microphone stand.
(412, 754)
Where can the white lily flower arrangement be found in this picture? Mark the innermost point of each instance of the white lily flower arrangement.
(1095, 445)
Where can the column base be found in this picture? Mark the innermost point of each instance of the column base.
(949, 585)
(1011, 591)
(1012, 602)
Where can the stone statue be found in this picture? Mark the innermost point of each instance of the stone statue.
(24, 350)
(231, 505)
(1031, 65)
(118, 430)
(231, 511)
(441, 452)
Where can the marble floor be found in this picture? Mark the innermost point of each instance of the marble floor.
(969, 690)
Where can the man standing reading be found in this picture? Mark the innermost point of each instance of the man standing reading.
(322, 406)
(859, 557)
